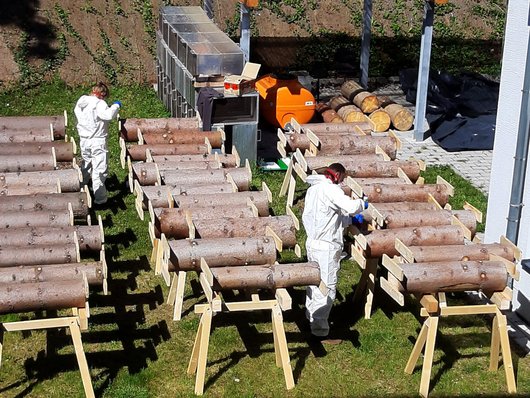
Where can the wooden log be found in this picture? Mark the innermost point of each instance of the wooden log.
(297, 141)
(89, 237)
(228, 227)
(30, 136)
(404, 206)
(328, 115)
(157, 195)
(319, 162)
(350, 113)
(93, 270)
(338, 102)
(184, 137)
(22, 124)
(27, 162)
(129, 127)
(380, 119)
(407, 192)
(38, 218)
(173, 223)
(137, 152)
(39, 254)
(357, 169)
(185, 254)
(473, 252)
(68, 179)
(454, 276)
(149, 173)
(365, 101)
(415, 218)
(64, 151)
(236, 199)
(242, 177)
(351, 127)
(353, 145)
(382, 241)
(20, 190)
(22, 297)
(56, 201)
(266, 277)
(402, 119)
(227, 159)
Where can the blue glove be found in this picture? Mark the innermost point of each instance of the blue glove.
(365, 199)
(117, 103)
(357, 219)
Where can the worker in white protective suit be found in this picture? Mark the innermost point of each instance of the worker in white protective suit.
(93, 117)
(327, 211)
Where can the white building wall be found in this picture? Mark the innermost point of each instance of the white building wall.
(508, 115)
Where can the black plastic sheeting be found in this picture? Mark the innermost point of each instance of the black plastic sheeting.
(461, 110)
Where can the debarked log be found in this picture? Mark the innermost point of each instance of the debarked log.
(227, 227)
(184, 137)
(149, 173)
(350, 113)
(22, 124)
(173, 222)
(356, 169)
(474, 252)
(338, 102)
(64, 151)
(258, 198)
(21, 297)
(454, 276)
(57, 253)
(382, 241)
(347, 127)
(22, 190)
(352, 145)
(69, 179)
(89, 237)
(365, 100)
(93, 270)
(402, 119)
(407, 192)
(186, 254)
(226, 159)
(27, 162)
(327, 113)
(404, 206)
(27, 136)
(241, 176)
(266, 277)
(416, 218)
(138, 152)
(54, 201)
(160, 195)
(380, 119)
(348, 161)
(35, 218)
(129, 127)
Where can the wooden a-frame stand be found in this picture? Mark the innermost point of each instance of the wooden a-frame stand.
(198, 359)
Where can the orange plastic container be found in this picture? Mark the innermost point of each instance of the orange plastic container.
(283, 98)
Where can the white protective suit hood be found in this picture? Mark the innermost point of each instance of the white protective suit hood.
(93, 116)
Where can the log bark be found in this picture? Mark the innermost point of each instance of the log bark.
(28, 162)
(137, 152)
(22, 297)
(227, 227)
(30, 136)
(338, 102)
(23, 124)
(327, 114)
(236, 199)
(94, 271)
(351, 127)
(38, 218)
(402, 119)
(266, 277)
(38, 254)
(353, 145)
(381, 120)
(129, 127)
(180, 137)
(406, 192)
(88, 236)
(473, 252)
(455, 276)
(382, 241)
(64, 151)
(241, 176)
(416, 218)
(173, 223)
(56, 201)
(227, 160)
(68, 179)
(364, 100)
(186, 254)
(350, 113)
(319, 162)
(357, 169)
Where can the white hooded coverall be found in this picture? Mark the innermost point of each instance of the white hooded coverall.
(326, 212)
(93, 117)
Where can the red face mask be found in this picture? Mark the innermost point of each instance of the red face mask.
(333, 176)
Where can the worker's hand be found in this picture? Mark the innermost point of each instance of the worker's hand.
(357, 219)
(365, 200)
(117, 103)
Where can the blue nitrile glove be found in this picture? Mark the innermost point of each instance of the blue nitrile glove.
(357, 219)
(365, 199)
(117, 103)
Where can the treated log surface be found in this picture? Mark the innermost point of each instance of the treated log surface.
(475, 252)
(297, 141)
(382, 241)
(259, 198)
(350, 127)
(173, 223)
(353, 145)
(357, 169)
(160, 195)
(227, 160)
(93, 270)
(184, 137)
(54, 201)
(241, 176)
(137, 152)
(88, 236)
(38, 254)
(22, 124)
(64, 151)
(404, 206)
(148, 173)
(38, 218)
(21, 297)
(28, 162)
(68, 179)
(416, 218)
(455, 276)
(406, 192)
(227, 227)
(30, 136)
(20, 190)
(185, 254)
(266, 277)
(348, 161)
(402, 119)
(129, 127)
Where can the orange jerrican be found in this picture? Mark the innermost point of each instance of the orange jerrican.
(282, 98)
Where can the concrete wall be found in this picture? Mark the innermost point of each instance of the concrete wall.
(509, 110)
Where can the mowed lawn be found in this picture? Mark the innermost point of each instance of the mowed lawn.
(135, 349)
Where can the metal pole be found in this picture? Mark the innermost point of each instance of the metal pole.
(365, 42)
(208, 8)
(244, 41)
(423, 72)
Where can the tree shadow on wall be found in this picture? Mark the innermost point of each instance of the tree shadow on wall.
(24, 16)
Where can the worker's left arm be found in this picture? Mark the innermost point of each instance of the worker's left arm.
(105, 112)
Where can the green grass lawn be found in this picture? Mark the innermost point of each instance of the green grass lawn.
(135, 349)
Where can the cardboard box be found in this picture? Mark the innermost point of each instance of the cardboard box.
(244, 83)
